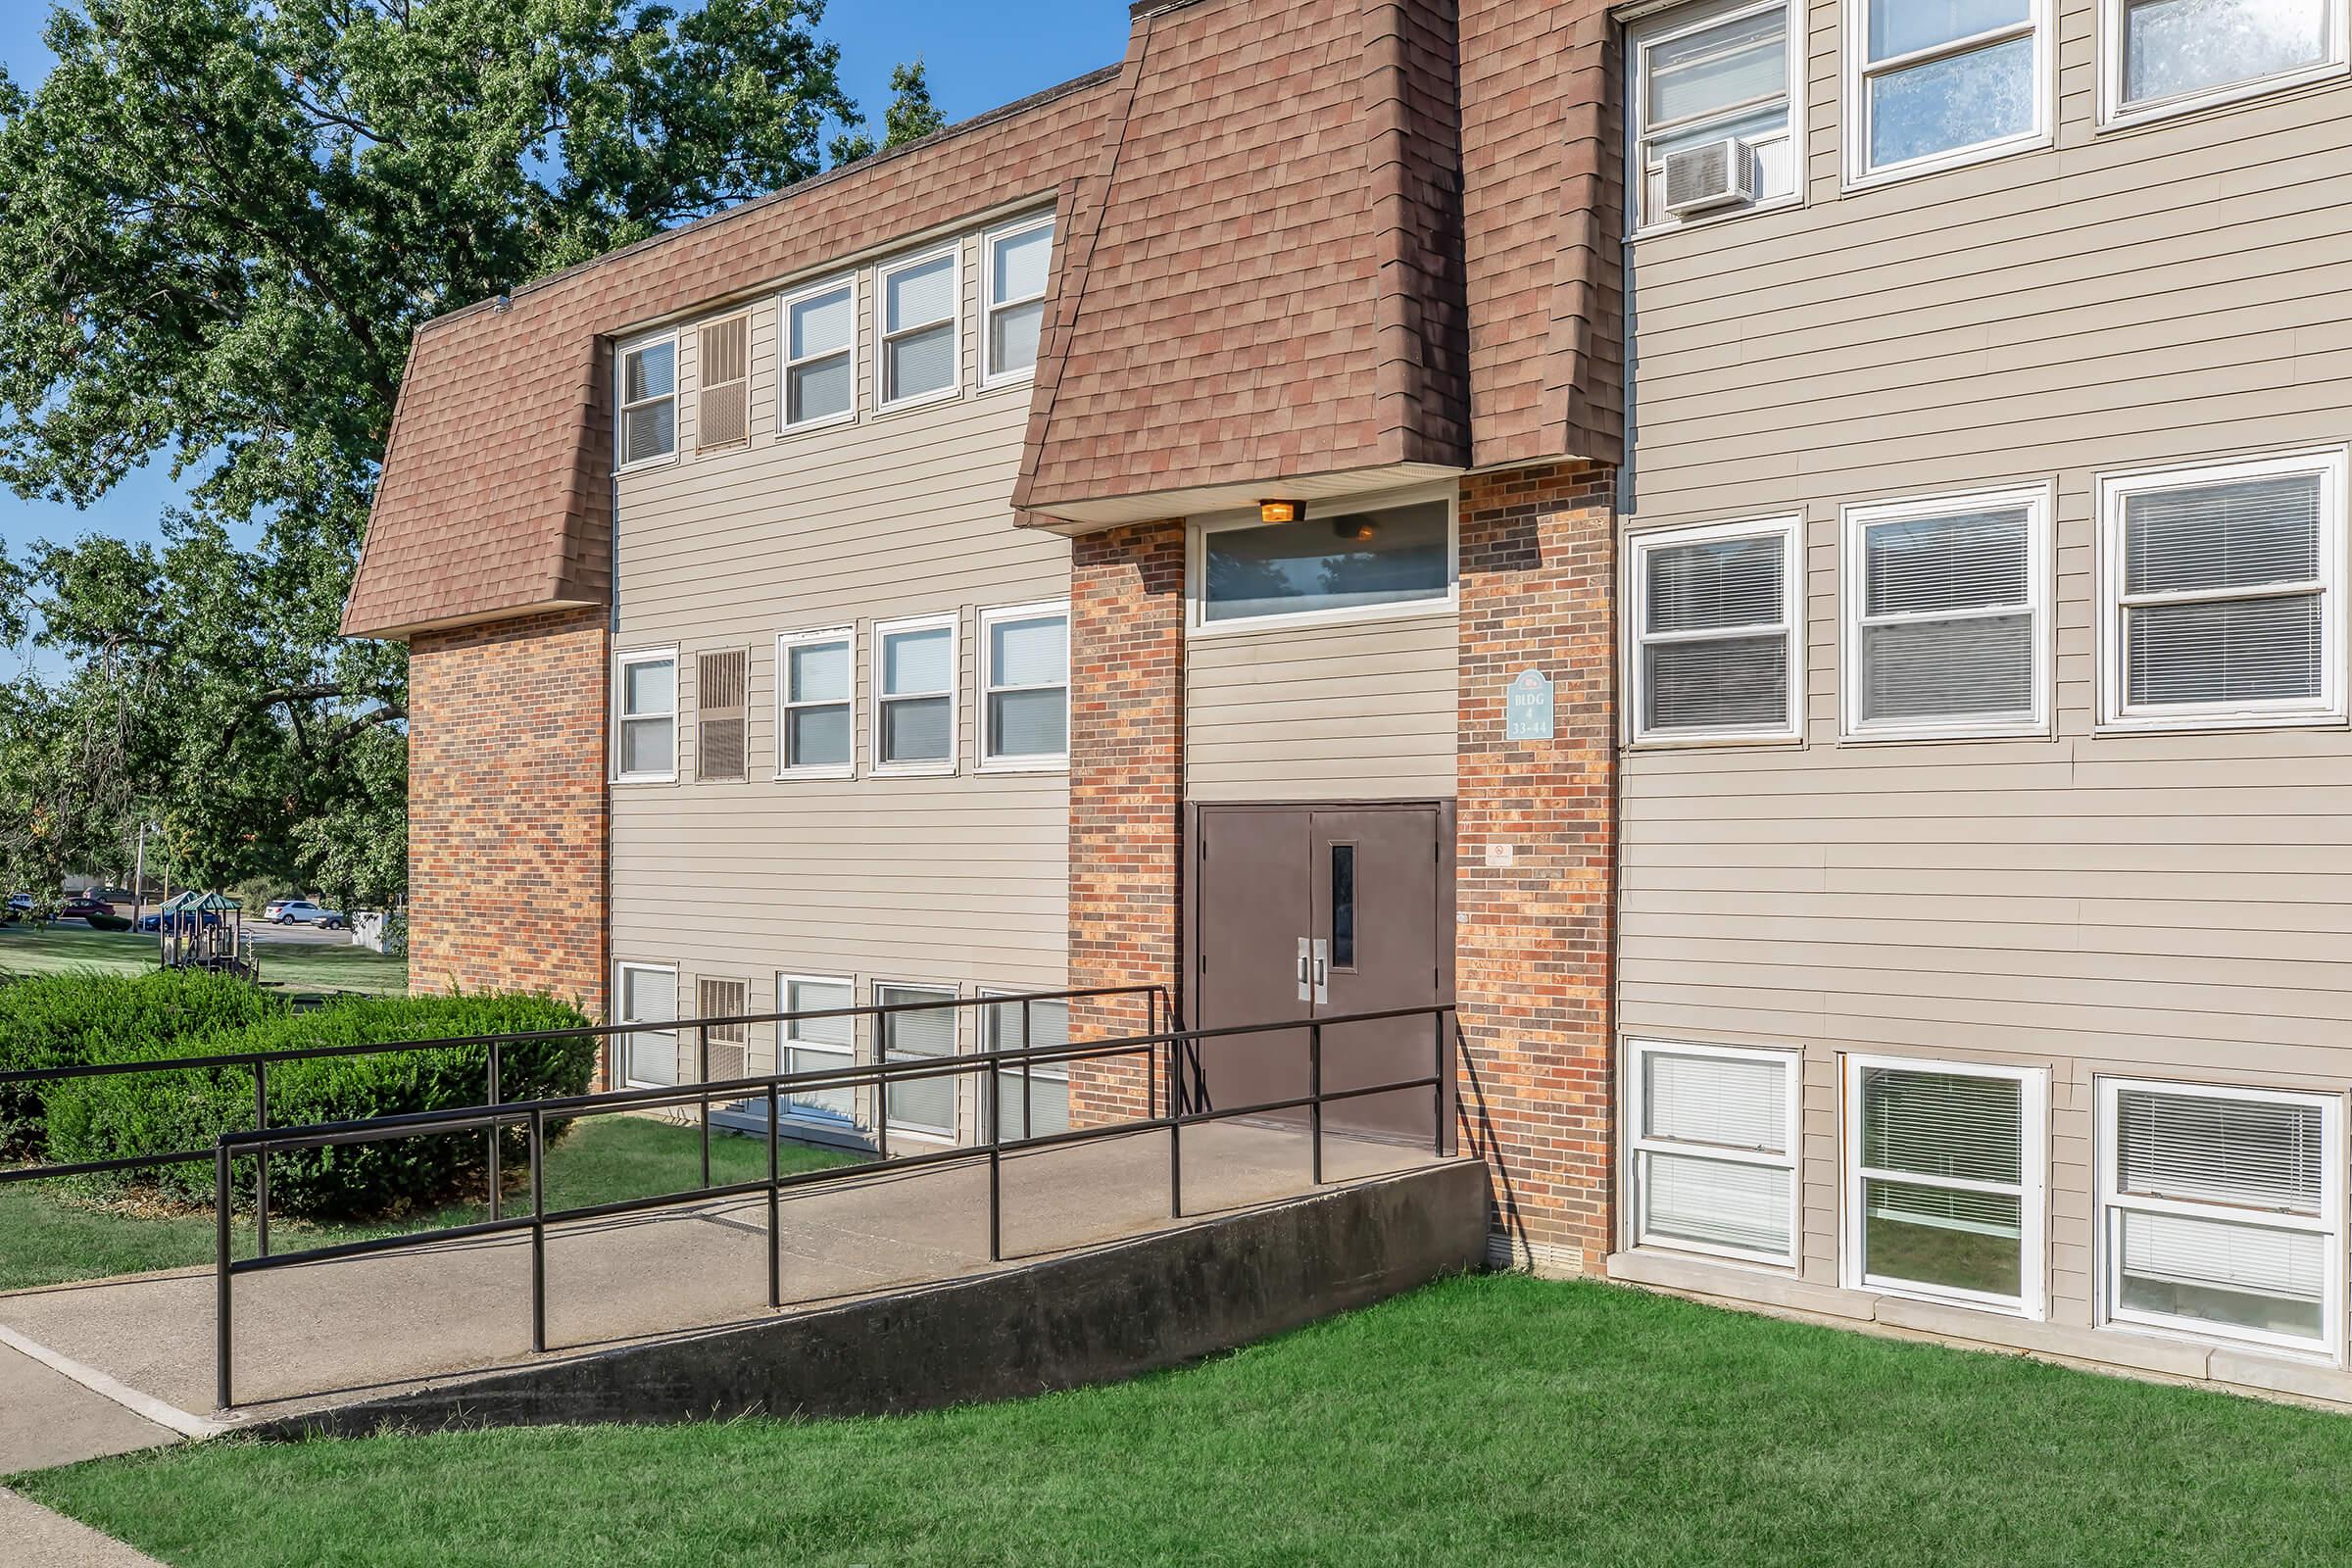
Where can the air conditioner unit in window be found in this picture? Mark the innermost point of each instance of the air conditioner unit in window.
(1709, 175)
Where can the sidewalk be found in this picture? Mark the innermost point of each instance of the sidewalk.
(39, 1538)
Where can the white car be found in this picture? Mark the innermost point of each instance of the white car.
(302, 911)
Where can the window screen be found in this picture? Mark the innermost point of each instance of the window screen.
(820, 380)
(918, 342)
(1941, 1181)
(1394, 556)
(1714, 1167)
(1944, 629)
(2181, 48)
(1715, 635)
(1943, 76)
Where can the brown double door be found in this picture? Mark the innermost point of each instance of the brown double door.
(1305, 912)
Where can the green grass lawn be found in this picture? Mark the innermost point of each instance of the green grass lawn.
(48, 949)
(1486, 1422)
(48, 1238)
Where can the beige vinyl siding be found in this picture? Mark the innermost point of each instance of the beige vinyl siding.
(959, 880)
(1353, 709)
(2175, 905)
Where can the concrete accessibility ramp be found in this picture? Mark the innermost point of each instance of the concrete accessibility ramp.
(891, 1301)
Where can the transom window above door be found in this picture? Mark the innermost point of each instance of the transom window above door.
(1934, 83)
(1338, 561)
(1713, 75)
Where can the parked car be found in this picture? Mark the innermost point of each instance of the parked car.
(155, 922)
(302, 911)
(269, 912)
(82, 907)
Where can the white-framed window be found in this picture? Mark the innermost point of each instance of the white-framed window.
(915, 696)
(922, 1106)
(816, 704)
(1714, 1149)
(1711, 72)
(1025, 687)
(1947, 616)
(1344, 560)
(820, 355)
(922, 346)
(2222, 589)
(1937, 83)
(1035, 1098)
(1718, 618)
(2222, 1212)
(647, 993)
(646, 700)
(1019, 263)
(817, 1045)
(2167, 57)
(1943, 1182)
(646, 398)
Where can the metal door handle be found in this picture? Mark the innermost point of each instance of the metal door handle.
(1322, 970)
(1306, 991)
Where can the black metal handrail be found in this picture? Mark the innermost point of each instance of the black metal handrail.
(533, 1116)
(260, 1062)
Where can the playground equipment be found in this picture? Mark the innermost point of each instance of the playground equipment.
(205, 931)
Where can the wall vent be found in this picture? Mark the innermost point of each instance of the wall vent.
(720, 716)
(729, 1042)
(1710, 176)
(723, 405)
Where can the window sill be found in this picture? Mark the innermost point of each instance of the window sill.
(1929, 737)
(817, 775)
(1010, 379)
(913, 771)
(632, 779)
(2204, 724)
(2118, 118)
(2016, 1310)
(1024, 764)
(831, 421)
(1730, 214)
(1699, 743)
(1307, 619)
(927, 400)
(2183, 1334)
(1856, 182)
(667, 461)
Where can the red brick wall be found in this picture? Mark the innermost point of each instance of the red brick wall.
(1126, 793)
(1535, 891)
(506, 825)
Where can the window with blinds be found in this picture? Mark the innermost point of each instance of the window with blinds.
(2221, 1211)
(2224, 590)
(915, 688)
(920, 336)
(1944, 605)
(649, 995)
(813, 1045)
(722, 400)
(1715, 1152)
(1943, 1181)
(1717, 653)
(815, 714)
(1034, 1098)
(720, 716)
(924, 1107)
(647, 398)
(821, 342)
(1027, 700)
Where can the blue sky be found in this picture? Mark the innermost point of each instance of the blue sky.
(976, 62)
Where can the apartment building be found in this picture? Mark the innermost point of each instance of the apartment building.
(1786, 556)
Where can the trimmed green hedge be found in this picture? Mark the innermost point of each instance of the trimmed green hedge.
(63, 1020)
(153, 1113)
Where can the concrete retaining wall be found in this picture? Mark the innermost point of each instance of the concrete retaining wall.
(1089, 1317)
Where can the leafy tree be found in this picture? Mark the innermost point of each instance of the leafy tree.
(912, 117)
(221, 221)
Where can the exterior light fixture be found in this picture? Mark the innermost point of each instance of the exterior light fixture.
(1282, 511)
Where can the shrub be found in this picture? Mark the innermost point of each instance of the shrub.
(154, 1113)
(63, 1020)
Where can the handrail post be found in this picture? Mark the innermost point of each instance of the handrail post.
(996, 1155)
(1437, 1120)
(220, 1276)
(881, 1083)
(1175, 1163)
(1314, 1098)
(261, 1154)
(1151, 1055)
(494, 1131)
(538, 1231)
(1028, 1100)
(775, 1230)
(702, 1076)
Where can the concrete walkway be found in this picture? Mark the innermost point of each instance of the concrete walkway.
(36, 1537)
(48, 1420)
(316, 1336)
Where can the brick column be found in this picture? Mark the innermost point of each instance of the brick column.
(506, 807)
(1126, 793)
(1536, 889)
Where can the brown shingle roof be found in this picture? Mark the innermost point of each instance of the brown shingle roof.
(496, 495)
